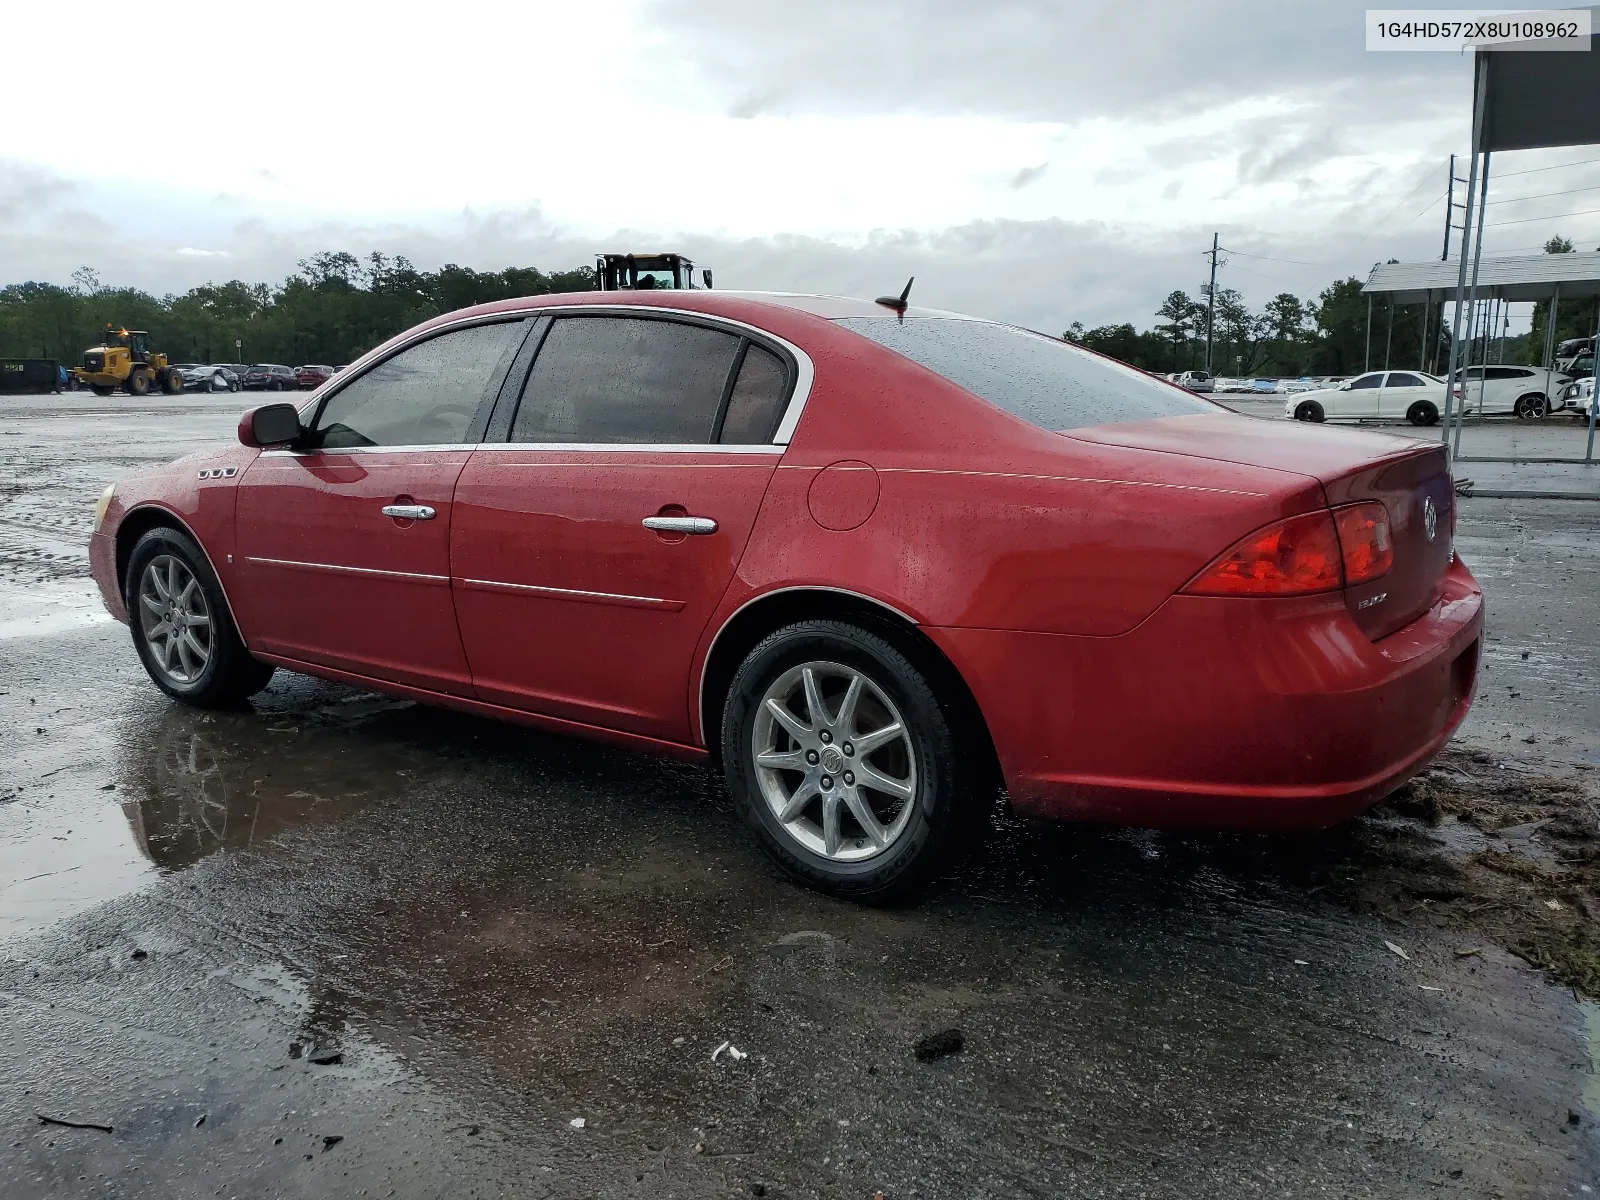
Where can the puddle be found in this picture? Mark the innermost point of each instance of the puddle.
(55, 606)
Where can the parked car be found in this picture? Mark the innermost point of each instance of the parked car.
(1377, 395)
(200, 377)
(1197, 381)
(873, 563)
(1578, 397)
(1291, 387)
(1516, 391)
(270, 377)
(313, 376)
(1263, 385)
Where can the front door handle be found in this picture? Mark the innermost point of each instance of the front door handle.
(409, 512)
(681, 524)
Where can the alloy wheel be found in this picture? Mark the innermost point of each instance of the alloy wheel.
(175, 619)
(835, 761)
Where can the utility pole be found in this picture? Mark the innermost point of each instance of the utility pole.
(1211, 301)
(1449, 210)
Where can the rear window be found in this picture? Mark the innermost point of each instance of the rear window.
(1047, 383)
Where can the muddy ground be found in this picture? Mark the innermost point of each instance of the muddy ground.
(339, 945)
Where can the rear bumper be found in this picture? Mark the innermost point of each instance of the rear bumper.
(1224, 713)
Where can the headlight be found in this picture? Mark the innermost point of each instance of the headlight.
(102, 504)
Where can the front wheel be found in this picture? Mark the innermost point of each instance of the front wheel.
(1423, 413)
(1309, 410)
(844, 763)
(1533, 407)
(181, 625)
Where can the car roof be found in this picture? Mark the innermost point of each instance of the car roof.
(720, 302)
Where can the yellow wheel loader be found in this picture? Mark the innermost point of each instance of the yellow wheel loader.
(125, 360)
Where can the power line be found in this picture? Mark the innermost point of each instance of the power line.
(1556, 167)
(1267, 258)
(1552, 217)
(1547, 195)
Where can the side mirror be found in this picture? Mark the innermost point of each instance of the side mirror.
(706, 275)
(270, 425)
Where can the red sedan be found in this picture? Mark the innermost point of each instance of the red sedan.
(874, 564)
(312, 375)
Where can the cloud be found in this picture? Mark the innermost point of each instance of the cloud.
(1042, 60)
(1027, 175)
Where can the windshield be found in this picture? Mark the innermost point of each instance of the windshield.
(1051, 384)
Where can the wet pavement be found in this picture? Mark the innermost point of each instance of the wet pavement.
(340, 945)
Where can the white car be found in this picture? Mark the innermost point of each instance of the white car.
(1289, 387)
(1375, 396)
(1578, 397)
(1517, 391)
(1197, 381)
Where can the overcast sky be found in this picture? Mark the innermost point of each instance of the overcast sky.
(1034, 160)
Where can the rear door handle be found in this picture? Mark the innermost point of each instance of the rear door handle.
(409, 512)
(681, 524)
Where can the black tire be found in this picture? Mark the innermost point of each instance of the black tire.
(100, 389)
(138, 382)
(943, 807)
(171, 381)
(1532, 406)
(1309, 410)
(1423, 413)
(230, 675)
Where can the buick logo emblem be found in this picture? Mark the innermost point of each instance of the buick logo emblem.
(1430, 518)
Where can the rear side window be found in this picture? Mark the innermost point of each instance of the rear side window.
(1051, 384)
(611, 380)
(426, 395)
(756, 402)
(1398, 379)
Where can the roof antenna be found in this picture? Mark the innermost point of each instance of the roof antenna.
(898, 303)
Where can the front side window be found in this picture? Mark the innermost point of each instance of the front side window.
(625, 380)
(1365, 381)
(1046, 382)
(426, 395)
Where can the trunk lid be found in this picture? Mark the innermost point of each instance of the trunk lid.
(1410, 478)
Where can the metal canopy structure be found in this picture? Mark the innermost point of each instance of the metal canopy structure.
(1523, 278)
(1522, 99)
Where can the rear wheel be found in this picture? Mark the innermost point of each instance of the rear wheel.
(1309, 410)
(138, 382)
(171, 381)
(100, 389)
(1423, 413)
(181, 626)
(843, 761)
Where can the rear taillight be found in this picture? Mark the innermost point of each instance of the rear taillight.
(1367, 549)
(1293, 557)
(1299, 556)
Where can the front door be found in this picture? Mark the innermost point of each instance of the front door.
(591, 548)
(343, 545)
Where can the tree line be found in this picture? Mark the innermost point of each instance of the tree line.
(1326, 336)
(333, 309)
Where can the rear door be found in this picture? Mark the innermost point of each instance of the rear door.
(592, 543)
(1401, 390)
(343, 546)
